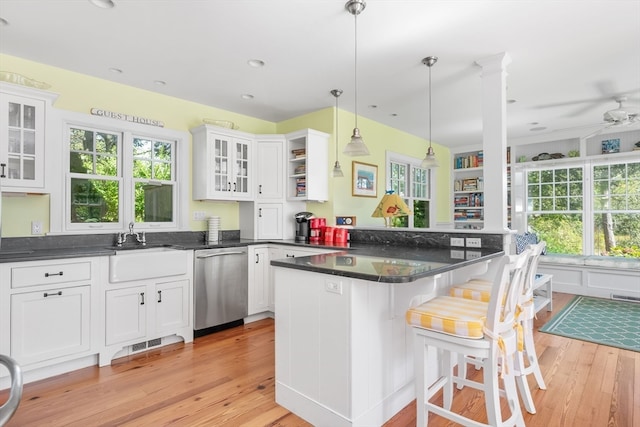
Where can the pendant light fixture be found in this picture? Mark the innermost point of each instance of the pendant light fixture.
(337, 170)
(356, 146)
(430, 160)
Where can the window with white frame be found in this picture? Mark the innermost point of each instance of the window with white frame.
(117, 175)
(411, 182)
(589, 207)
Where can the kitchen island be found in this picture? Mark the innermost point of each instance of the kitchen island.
(344, 355)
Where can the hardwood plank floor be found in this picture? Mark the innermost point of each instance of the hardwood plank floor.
(227, 379)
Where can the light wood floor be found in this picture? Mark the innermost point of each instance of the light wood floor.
(227, 379)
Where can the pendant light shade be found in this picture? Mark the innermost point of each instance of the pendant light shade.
(337, 170)
(430, 160)
(356, 147)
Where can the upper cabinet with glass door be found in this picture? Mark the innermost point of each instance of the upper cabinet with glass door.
(23, 115)
(222, 168)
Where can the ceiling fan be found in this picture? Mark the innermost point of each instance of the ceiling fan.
(621, 115)
(618, 117)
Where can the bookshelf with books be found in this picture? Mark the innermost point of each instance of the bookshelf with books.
(307, 171)
(468, 190)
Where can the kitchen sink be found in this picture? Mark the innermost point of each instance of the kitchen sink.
(146, 263)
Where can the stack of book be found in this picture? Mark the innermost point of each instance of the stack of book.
(470, 161)
(299, 153)
(301, 187)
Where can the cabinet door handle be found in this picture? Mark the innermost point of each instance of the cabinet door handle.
(260, 189)
(47, 294)
(290, 256)
(2, 166)
(229, 186)
(259, 212)
(234, 187)
(159, 296)
(60, 273)
(141, 298)
(257, 258)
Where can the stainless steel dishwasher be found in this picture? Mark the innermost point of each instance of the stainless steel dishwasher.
(221, 289)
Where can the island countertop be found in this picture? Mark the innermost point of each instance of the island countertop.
(389, 264)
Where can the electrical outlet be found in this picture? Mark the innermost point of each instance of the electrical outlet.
(474, 242)
(457, 241)
(36, 227)
(333, 287)
(346, 220)
(199, 216)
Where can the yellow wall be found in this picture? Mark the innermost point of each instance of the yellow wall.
(79, 93)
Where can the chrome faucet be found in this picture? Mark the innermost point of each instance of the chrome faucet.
(122, 237)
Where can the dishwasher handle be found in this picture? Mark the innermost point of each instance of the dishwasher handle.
(220, 254)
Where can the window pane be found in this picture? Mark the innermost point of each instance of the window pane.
(617, 234)
(162, 151)
(94, 200)
(562, 232)
(154, 203)
(142, 169)
(106, 165)
(421, 213)
(141, 148)
(80, 163)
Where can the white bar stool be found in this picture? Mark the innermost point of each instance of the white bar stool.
(481, 330)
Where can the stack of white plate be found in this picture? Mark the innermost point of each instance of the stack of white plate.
(214, 228)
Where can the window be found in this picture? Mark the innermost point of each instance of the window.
(600, 201)
(554, 207)
(411, 182)
(616, 209)
(117, 172)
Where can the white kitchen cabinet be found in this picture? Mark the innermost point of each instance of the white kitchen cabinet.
(47, 310)
(273, 220)
(308, 165)
(50, 324)
(222, 168)
(149, 311)
(260, 288)
(154, 309)
(23, 130)
(126, 314)
(269, 162)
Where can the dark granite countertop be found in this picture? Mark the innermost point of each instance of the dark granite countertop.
(390, 264)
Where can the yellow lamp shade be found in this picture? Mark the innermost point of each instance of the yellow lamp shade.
(391, 205)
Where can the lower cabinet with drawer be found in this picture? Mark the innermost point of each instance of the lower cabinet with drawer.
(48, 312)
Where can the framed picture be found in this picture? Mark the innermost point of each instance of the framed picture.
(365, 179)
(611, 146)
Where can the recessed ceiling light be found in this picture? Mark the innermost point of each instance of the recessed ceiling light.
(538, 128)
(394, 114)
(246, 96)
(104, 4)
(511, 101)
(160, 82)
(373, 106)
(4, 21)
(115, 70)
(255, 63)
(533, 123)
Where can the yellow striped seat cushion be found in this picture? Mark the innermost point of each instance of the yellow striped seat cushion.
(455, 316)
(476, 289)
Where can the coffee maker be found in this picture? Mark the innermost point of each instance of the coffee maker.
(303, 226)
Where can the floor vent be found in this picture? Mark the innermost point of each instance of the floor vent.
(153, 343)
(626, 298)
(139, 346)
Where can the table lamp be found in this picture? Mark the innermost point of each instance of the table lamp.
(391, 205)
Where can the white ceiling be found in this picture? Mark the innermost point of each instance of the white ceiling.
(569, 57)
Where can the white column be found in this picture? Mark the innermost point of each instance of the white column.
(494, 140)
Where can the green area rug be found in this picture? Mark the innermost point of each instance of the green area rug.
(598, 320)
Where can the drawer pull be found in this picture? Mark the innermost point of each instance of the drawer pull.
(159, 296)
(141, 298)
(53, 274)
(47, 294)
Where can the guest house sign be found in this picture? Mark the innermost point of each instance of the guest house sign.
(126, 117)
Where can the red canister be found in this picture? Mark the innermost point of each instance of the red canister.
(340, 235)
(328, 234)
